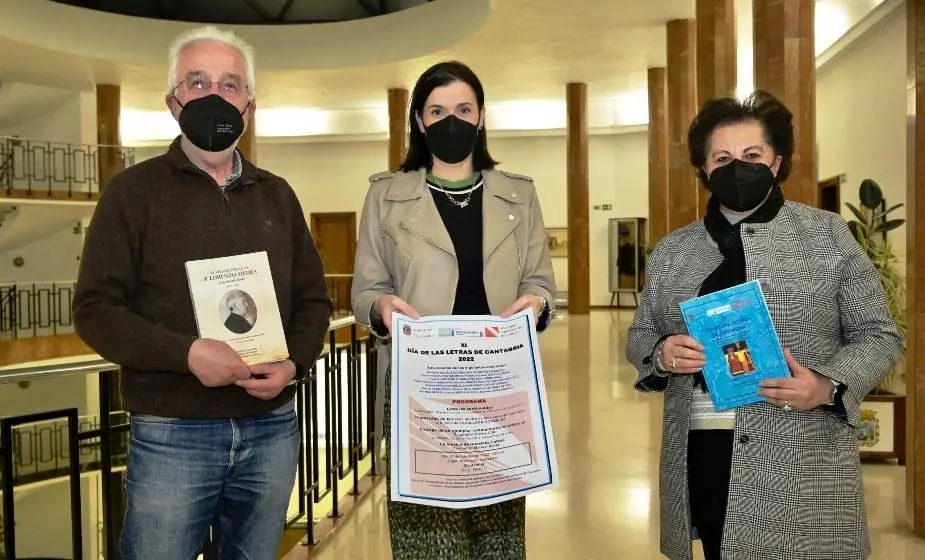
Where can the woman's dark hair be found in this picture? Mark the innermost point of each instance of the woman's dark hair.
(439, 75)
(760, 106)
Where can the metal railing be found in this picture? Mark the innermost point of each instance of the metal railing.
(334, 404)
(58, 169)
(30, 309)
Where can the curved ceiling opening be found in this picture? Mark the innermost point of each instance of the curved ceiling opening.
(245, 12)
(142, 42)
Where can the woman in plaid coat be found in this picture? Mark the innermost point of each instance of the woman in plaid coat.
(779, 479)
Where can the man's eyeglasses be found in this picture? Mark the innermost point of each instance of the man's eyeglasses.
(199, 85)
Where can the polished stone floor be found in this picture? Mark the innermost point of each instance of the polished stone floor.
(607, 438)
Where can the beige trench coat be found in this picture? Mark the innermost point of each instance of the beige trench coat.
(404, 249)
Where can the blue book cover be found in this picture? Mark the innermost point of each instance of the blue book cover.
(740, 343)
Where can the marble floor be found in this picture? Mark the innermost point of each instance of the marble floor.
(607, 438)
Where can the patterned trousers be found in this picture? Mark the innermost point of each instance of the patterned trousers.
(417, 532)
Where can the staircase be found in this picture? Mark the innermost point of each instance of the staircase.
(27, 221)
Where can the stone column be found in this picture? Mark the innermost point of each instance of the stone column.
(683, 184)
(579, 270)
(109, 154)
(785, 66)
(248, 142)
(915, 277)
(716, 61)
(398, 127)
(658, 155)
(716, 49)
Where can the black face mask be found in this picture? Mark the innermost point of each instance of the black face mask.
(451, 139)
(741, 185)
(211, 123)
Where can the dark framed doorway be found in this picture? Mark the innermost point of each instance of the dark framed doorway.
(830, 193)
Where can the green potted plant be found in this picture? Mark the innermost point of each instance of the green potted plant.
(883, 411)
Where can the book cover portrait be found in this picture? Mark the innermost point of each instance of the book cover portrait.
(238, 311)
(234, 300)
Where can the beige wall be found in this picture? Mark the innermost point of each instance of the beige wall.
(861, 118)
(73, 122)
(53, 257)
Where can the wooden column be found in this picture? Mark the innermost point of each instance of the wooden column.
(716, 61)
(915, 279)
(248, 142)
(716, 49)
(785, 66)
(579, 271)
(658, 155)
(682, 108)
(398, 126)
(109, 154)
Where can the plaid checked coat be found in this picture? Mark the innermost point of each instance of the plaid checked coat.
(795, 490)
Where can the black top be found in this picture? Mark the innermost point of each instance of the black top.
(460, 206)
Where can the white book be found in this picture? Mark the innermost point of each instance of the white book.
(235, 301)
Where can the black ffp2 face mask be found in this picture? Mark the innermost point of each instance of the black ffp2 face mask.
(451, 139)
(211, 123)
(740, 185)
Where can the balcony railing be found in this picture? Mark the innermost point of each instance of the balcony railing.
(338, 460)
(30, 168)
(30, 309)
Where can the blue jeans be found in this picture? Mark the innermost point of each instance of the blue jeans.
(185, 476)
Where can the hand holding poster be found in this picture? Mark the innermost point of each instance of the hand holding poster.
(470, 421)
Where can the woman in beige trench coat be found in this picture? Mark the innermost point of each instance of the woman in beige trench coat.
(449, 234)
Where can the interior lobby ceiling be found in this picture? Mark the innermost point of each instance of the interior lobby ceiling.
(523, 50)
(260, 12)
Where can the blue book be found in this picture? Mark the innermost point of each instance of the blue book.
(740, 343)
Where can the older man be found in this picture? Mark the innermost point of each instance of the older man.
(214, 442)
